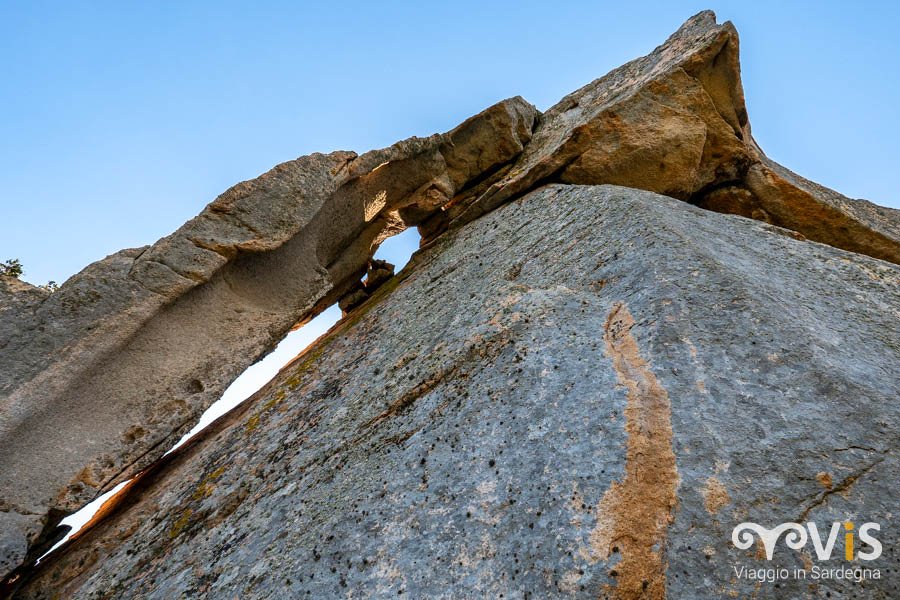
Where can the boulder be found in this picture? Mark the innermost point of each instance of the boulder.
(582, 409)
(378, 273)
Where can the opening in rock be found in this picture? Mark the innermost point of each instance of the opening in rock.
(399, 248)
(77, 520)
(396, 250)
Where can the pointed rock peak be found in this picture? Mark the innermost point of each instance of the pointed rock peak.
(675, 122)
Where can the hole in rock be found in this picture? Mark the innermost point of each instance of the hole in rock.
(396, 250)
(399, 248)
(78, 519)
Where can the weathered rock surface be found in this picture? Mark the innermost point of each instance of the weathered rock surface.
(378, 273)
(579, 393)
(100, 378)
(584, 408)
(675, 122)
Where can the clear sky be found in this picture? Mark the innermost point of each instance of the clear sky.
(121, 120)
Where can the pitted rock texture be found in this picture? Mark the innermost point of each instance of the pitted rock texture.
(579, 395)
(100, 378)
(675, 122)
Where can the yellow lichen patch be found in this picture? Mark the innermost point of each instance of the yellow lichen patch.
(203, 491)
(294, 380)
(714, 495)
(206, 486)
(252, 422)
(276, 398)
(634, 514)
(180, 524)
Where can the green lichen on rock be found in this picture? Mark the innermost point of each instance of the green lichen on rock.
(277, 398)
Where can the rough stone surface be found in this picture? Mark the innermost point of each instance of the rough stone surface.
(378, 273)
(100, 378)
(675, 122)
(578, 395)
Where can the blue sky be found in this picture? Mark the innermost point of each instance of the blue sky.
(122, 120)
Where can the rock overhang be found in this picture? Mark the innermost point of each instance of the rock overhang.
(673, 122)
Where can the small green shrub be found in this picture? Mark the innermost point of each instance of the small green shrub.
(11, 268)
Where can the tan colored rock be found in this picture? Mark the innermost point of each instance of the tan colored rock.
(379, 272)
(675, 122)
(821, 214)
(100, 378)
(353, 298)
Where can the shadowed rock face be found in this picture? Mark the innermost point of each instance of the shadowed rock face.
(101, 377)
(584, 409)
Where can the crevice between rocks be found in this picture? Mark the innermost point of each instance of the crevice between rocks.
(327, 257)
(140, 481)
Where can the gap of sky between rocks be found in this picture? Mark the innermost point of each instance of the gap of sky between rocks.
(397, 250)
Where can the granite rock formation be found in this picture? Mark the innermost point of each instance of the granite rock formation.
(675, 122)
(103, 376)
(581, 383)
(584, 409)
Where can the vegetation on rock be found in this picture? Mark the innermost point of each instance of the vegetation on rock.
(11, 268)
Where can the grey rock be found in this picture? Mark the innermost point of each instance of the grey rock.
(100, 378)
(579, 394)
(571, 391)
